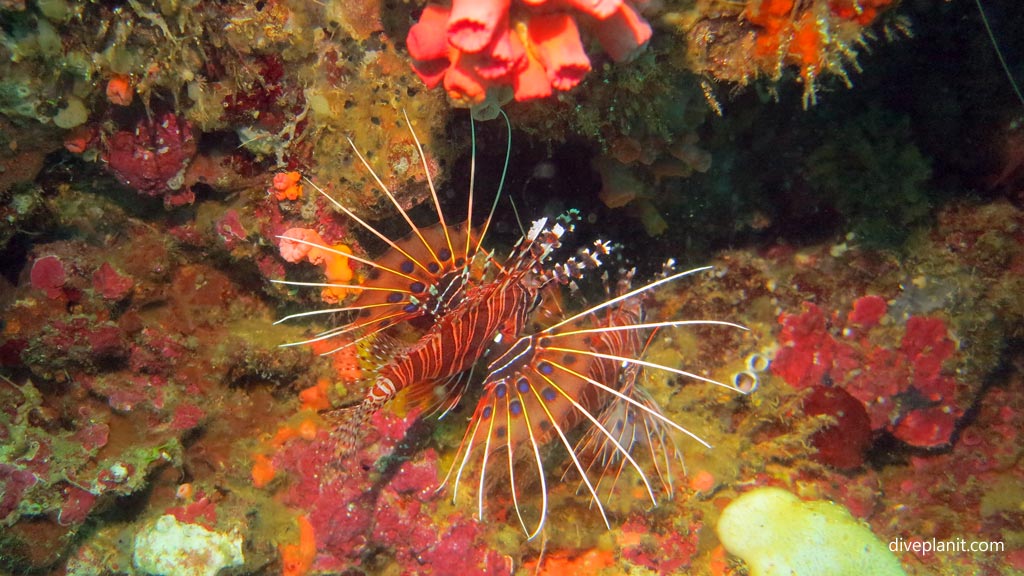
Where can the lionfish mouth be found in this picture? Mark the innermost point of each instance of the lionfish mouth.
(578, 383)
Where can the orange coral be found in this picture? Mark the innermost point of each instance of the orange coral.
(472, 23)
(817, 36)
(556, 42)
(262, 471)
(296, 559)
(78, 139)
(287, 186)
(562, 564)
(119, 90)
(315, 397)
(283, 434)
(307, 429)
(863, 12)
(702, 481)
(303, 243)
(806, 46)
(185, 492)
(623, 34)
(718, 565)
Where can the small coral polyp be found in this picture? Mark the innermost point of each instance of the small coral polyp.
(531, 46)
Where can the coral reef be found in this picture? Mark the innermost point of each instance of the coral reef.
(386, 503)
(140, 88)
(162, 162)
(104, 337)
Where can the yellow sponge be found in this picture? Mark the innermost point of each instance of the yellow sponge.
(777, 534)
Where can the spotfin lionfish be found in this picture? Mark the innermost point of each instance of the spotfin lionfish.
(576, 380)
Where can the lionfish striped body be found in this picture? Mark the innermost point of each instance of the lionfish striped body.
(468, 322)
(584, 369)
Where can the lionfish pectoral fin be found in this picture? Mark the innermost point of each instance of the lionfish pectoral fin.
(347, 425)
(431, 396)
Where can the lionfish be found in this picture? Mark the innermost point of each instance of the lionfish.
(577, 380)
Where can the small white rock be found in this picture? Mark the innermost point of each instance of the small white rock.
(166, 547)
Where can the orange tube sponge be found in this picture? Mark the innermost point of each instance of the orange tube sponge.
(283, 434)
(426, 39)
(336, 269)
(624, 34)
(473, 23)
(556, 41)
(307, 429)
(463, 84)
(506, 54)
(304, 243)
(599, 9)
(531, 82)
(296, 559)
(336, 266)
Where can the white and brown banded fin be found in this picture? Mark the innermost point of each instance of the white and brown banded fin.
(347, 426)
(640, 433)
